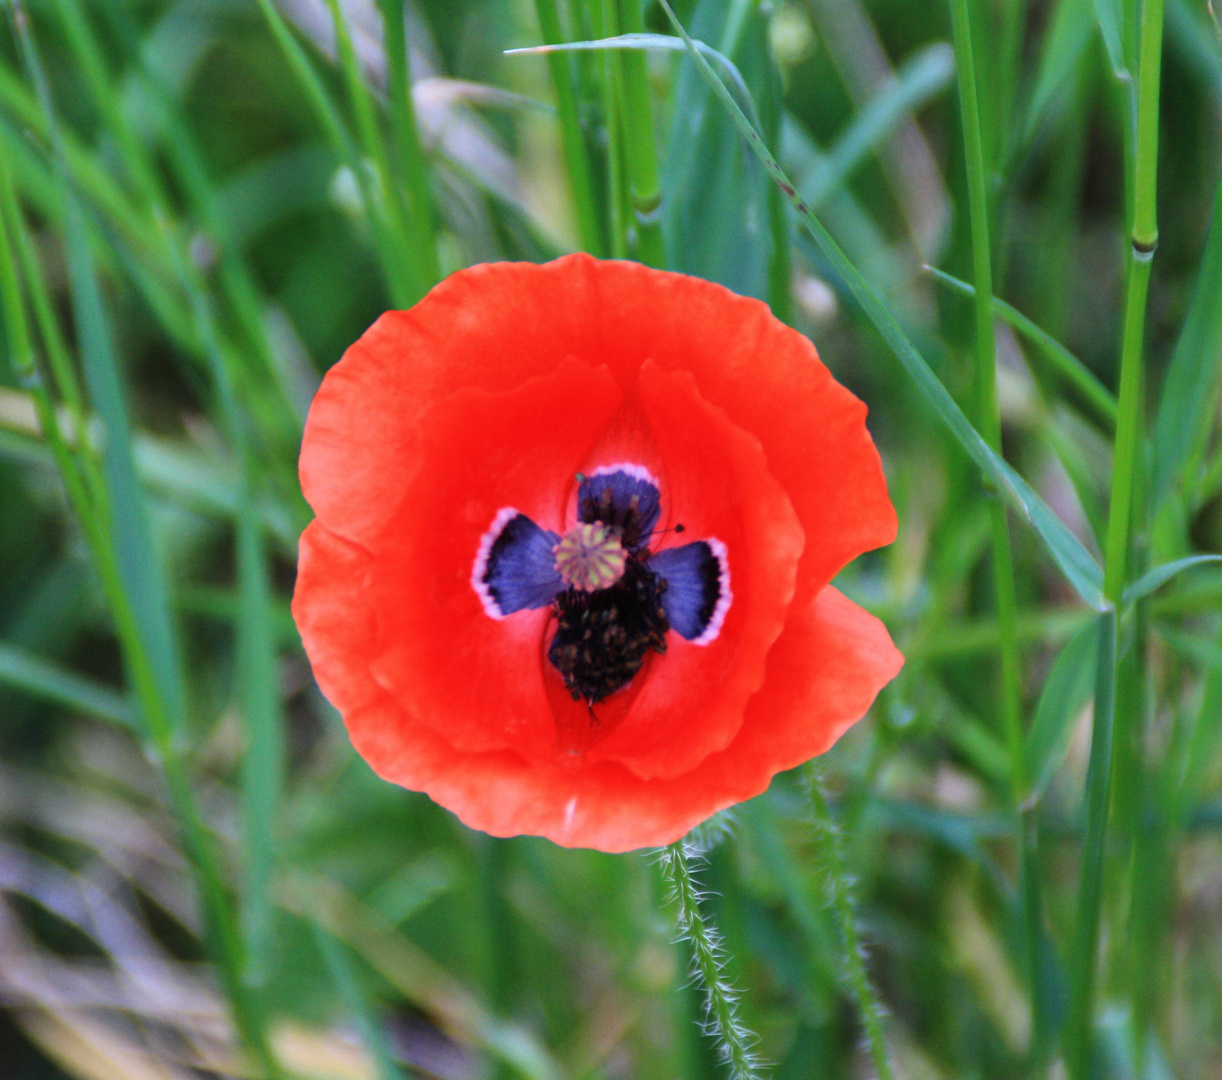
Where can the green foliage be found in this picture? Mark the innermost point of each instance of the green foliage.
(201, 205)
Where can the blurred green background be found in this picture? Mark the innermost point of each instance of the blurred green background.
(204, 202)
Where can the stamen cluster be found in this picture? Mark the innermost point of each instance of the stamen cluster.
(611, 615)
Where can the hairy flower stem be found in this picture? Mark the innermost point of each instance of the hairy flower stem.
(734, 1041)
(840, 895)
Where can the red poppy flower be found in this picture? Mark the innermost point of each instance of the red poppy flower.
(575, 528)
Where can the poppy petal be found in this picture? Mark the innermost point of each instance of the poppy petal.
(624, 495)
(334, 616)
(830, 664)
(515, 566)
(697, 595)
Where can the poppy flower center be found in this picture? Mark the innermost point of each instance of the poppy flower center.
(613, 599)
(590, 557)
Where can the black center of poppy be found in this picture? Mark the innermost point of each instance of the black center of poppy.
(603, 637)
(613, 599)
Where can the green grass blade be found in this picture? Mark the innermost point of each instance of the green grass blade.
(850, 223)
(1200, 758)
(1068, 366)
(1128, 473)
(1067, 688)
(316, 93)
(42, 678)
(400, 254)
(921, 79)
(258, 695)
(409, 154)
(257, 676)
(144, 616)
(133, 577)
(575, 155)
(605, 18)
(705, 172)
(139, 562)
(397, 276)
(1160, 575)
(1085, 955)
(989, 418)
(1190, 390)
(1195, 32)
(1064, 43)
(1077, 564)
(1107, 15)
(642, 154)
(339, 967)
(88, 56)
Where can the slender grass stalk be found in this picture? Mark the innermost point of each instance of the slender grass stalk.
(400, 254)
(404, 291)
(75, 22)
(989, 420)
(92, 178)
(22, 352)
(988, 408)
(780, 255)
(575, 157)
(146, 173)
(1144, 240)
(840, 894)
(409, 154)
(20, 345)
(138, 251)
(613, 110)
(307, 78)
(257, 695)
(1125, 465)
(734, 1041)
(642, 154)
(1013, 20)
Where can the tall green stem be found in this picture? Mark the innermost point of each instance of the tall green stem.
(575, 157)
(642, 153)
(409, 155)
(989, 419)
(606, 17)
(1144, 239)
